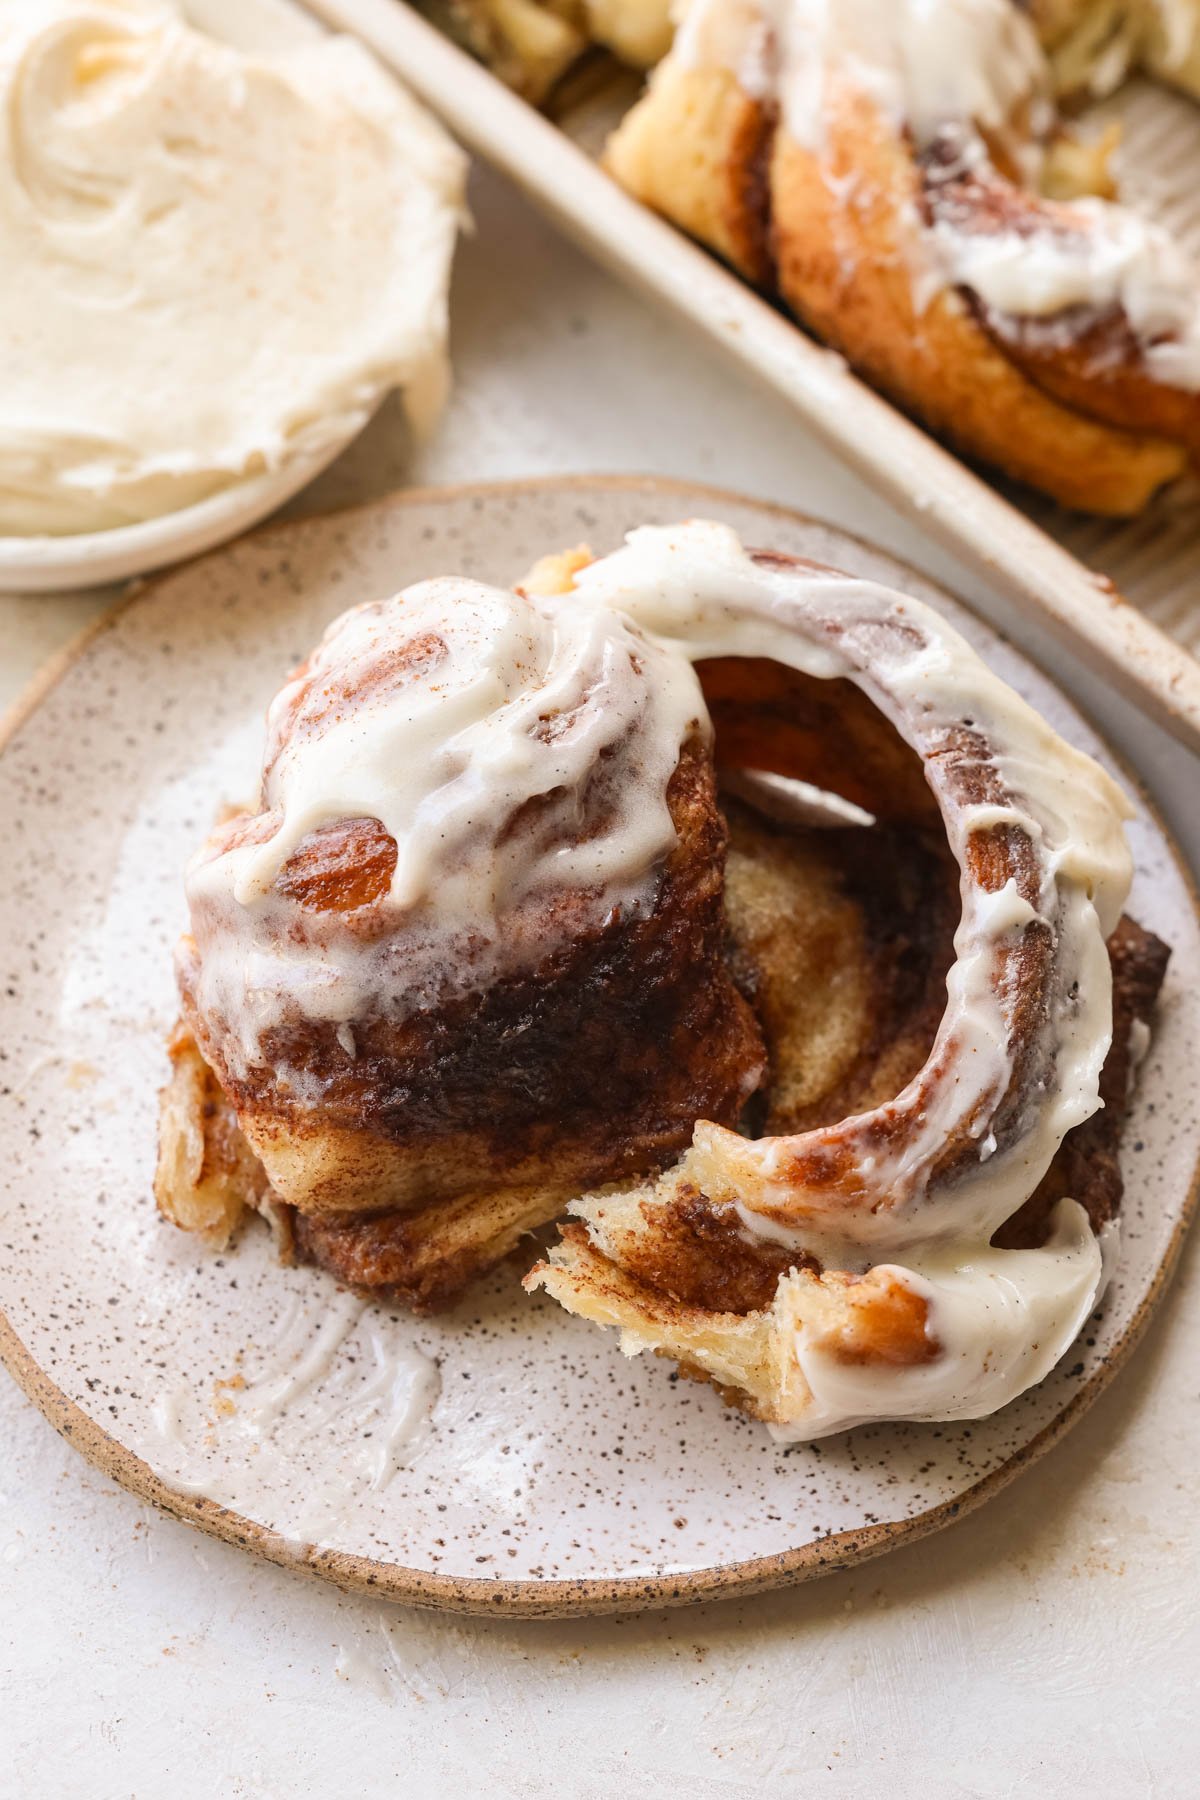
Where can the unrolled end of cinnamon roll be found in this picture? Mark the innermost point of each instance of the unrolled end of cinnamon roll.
(917, 1250)
(834, 1350)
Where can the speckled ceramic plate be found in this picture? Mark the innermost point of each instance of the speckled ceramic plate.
(505, 1456)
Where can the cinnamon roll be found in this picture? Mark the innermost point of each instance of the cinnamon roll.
(901, 178)
(1091, 45)
(724, 903)
(531, 44)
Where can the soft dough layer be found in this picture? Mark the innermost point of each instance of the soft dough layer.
(810, 1351)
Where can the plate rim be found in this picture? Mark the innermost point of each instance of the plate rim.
(561, 1598)
(43, 564)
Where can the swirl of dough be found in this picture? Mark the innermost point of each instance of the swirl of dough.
(901, 177)
(468, 956)
(501, 763)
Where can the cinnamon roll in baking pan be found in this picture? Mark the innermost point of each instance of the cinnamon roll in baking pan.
(726, 904)
(531, 44)
(900, 177)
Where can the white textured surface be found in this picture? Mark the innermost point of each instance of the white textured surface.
(1047, 1646)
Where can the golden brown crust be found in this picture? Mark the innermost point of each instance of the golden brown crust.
(1086, 358)
(696, 149)
(1099, 368)
(846, 255)
(847, 269)
(772, 718)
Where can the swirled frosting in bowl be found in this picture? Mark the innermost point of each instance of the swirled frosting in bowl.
(214, 262)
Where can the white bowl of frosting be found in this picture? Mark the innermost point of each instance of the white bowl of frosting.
(218, 261)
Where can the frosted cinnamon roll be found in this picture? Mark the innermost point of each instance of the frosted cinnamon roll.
(843, 1266)
(901, 178)
(724, 903)
(467, 956)
(531, 44)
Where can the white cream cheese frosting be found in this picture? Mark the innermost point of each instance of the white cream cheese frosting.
(1002, 1319)
(924, 62)
(1106, 256)
(213, 261)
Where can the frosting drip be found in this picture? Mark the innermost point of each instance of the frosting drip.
(1105, 256)
(924, 62)
(1002, 1319)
